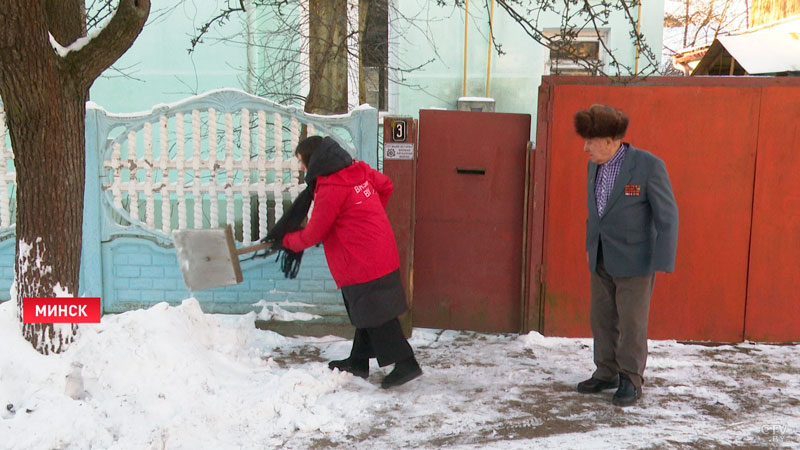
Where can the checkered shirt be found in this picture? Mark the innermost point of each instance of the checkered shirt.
(606, 175)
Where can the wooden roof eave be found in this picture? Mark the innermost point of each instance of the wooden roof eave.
(708, 60)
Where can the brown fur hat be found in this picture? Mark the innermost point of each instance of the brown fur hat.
(601, 121)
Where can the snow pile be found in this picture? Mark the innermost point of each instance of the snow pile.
(166, 376)
(175, 378)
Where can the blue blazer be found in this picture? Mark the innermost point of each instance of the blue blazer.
(639, 226)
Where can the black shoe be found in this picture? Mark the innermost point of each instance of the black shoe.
(404, 371)
(594, 385)
(627, 394)
(358, 367)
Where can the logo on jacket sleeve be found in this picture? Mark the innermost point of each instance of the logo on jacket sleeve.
(633, 190)
(365, 188)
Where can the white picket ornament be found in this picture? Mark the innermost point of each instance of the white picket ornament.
(230, 216)
(261, 163)
(149, 211)
(212, 167)
(197, 197)
(133, 194)
(247, 184)
(116, 166)
(163, 158)
(278, 165)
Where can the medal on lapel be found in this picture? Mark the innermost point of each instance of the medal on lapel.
(633, 190)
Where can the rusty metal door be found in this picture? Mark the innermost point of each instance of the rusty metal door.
(468, 234)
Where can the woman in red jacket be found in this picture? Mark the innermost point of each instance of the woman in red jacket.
(349, 218)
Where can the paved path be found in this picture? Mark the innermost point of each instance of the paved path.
(510, 391)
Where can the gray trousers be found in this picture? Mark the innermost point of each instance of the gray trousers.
(620, 309)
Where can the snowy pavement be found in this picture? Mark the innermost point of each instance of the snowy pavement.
(175, 378)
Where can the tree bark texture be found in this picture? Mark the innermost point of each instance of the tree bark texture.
(44, 97)
(327, 57)
(363, 8)
(66, 19)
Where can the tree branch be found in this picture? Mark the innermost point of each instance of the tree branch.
(218, 19)
(110, 44)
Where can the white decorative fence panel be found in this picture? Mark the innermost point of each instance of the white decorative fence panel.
(234, 165)
(225, 157)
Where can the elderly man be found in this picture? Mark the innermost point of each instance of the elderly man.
(631, 233)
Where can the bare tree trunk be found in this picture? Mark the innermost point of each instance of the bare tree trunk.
(363, 9)
(51, 266)
(44, 96)
(686, 24)
(45, 121)
(328, 57)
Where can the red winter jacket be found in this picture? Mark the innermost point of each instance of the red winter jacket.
(349, 217)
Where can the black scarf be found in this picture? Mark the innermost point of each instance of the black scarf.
(327, 158)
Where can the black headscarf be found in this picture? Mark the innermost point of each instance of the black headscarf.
(327, 158)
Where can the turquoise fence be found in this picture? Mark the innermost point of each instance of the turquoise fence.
(217, 159)
(7, 209)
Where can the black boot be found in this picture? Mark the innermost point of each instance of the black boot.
(594, 385)
(358, 367)
(628, 393)
(404, 371)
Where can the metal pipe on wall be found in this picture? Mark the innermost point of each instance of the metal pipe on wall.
(466, 21)
(489, 56)
(638, 32)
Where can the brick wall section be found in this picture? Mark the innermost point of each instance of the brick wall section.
(142, 274)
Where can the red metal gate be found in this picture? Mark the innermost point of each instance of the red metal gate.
(469, 207)
(731, 148)
(773, 288)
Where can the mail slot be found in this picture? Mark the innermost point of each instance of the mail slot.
(471, 170)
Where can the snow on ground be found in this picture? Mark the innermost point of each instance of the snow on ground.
(171, 377)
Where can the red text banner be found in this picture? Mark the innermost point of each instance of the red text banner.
(61, 310)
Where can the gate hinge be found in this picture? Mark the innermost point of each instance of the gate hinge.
(531, 146)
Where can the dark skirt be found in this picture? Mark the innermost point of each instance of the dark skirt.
(375, 302)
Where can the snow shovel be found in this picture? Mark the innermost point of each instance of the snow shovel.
(208, 258)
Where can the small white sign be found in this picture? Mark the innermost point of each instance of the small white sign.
(398, 150)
